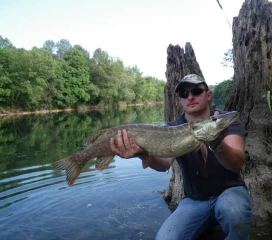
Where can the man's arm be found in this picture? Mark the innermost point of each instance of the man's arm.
(126, 147)
(232, 155)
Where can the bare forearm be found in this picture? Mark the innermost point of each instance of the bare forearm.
(231, 158)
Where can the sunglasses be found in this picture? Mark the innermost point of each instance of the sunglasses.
(195, 92)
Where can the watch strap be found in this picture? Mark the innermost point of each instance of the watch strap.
(219, 147)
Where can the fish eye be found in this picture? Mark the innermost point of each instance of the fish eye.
(214, 118)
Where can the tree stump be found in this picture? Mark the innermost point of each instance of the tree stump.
(252, 53)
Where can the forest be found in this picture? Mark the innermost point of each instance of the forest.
(59, 76)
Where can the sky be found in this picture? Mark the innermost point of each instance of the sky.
(136, 31)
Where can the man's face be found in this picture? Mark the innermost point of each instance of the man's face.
(194, 98)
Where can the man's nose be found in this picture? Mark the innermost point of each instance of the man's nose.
(190, 96)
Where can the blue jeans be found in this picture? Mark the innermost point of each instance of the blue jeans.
(231, 209)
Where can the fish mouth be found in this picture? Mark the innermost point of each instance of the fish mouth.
(229, 115)
(209, 129)
(223, 120)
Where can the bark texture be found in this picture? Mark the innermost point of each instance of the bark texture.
(179, 64)
(252, 52)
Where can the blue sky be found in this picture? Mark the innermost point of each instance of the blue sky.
(136, 31)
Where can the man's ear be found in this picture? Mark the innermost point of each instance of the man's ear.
(209, 95)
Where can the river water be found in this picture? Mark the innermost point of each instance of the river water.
(121, 202)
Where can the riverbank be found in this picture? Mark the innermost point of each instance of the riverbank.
(5, 113)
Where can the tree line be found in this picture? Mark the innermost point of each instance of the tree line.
(221, 93)
(59, 75)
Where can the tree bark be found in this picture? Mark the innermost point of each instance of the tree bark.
(179, 64)
(252, 53)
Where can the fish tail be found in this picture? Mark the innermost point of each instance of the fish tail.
(72, 165)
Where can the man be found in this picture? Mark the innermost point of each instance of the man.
(214, 190)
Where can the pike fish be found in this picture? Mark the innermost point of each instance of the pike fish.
(158, 141)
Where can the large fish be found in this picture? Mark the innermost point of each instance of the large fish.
(159, 141)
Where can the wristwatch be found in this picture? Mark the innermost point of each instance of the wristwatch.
(219, 147)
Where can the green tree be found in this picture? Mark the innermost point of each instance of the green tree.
(43, 75)
(30, 76)
(228, 59)
(160, 90)
(5, 89)
(101, 75)
(125, 82)
(221, 93)
(80, 48)
(5, 81)
(49, 46)
(13, 65)
(63, 46)
(4, 42)
(73, 86)
(139, 87)
(152, 91)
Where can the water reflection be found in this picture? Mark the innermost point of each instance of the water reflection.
(35, 201)
(32, 143)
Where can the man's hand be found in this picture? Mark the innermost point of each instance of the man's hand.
(125, 145)
(220, 138)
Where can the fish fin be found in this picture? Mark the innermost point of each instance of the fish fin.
(103, 163)
(146, 160)
(72, 165)
(204, 151)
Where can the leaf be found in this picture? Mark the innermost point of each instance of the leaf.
(268, 96)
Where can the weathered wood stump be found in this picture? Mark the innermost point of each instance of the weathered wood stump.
(252, 52)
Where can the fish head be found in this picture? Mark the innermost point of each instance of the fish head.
(208, 129)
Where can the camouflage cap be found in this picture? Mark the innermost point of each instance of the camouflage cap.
(191, 78)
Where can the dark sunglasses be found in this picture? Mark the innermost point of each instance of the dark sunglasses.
(195, 92)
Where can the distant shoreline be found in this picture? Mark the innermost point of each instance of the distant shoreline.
(4, 113)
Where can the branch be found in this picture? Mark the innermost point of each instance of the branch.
(223, 12)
